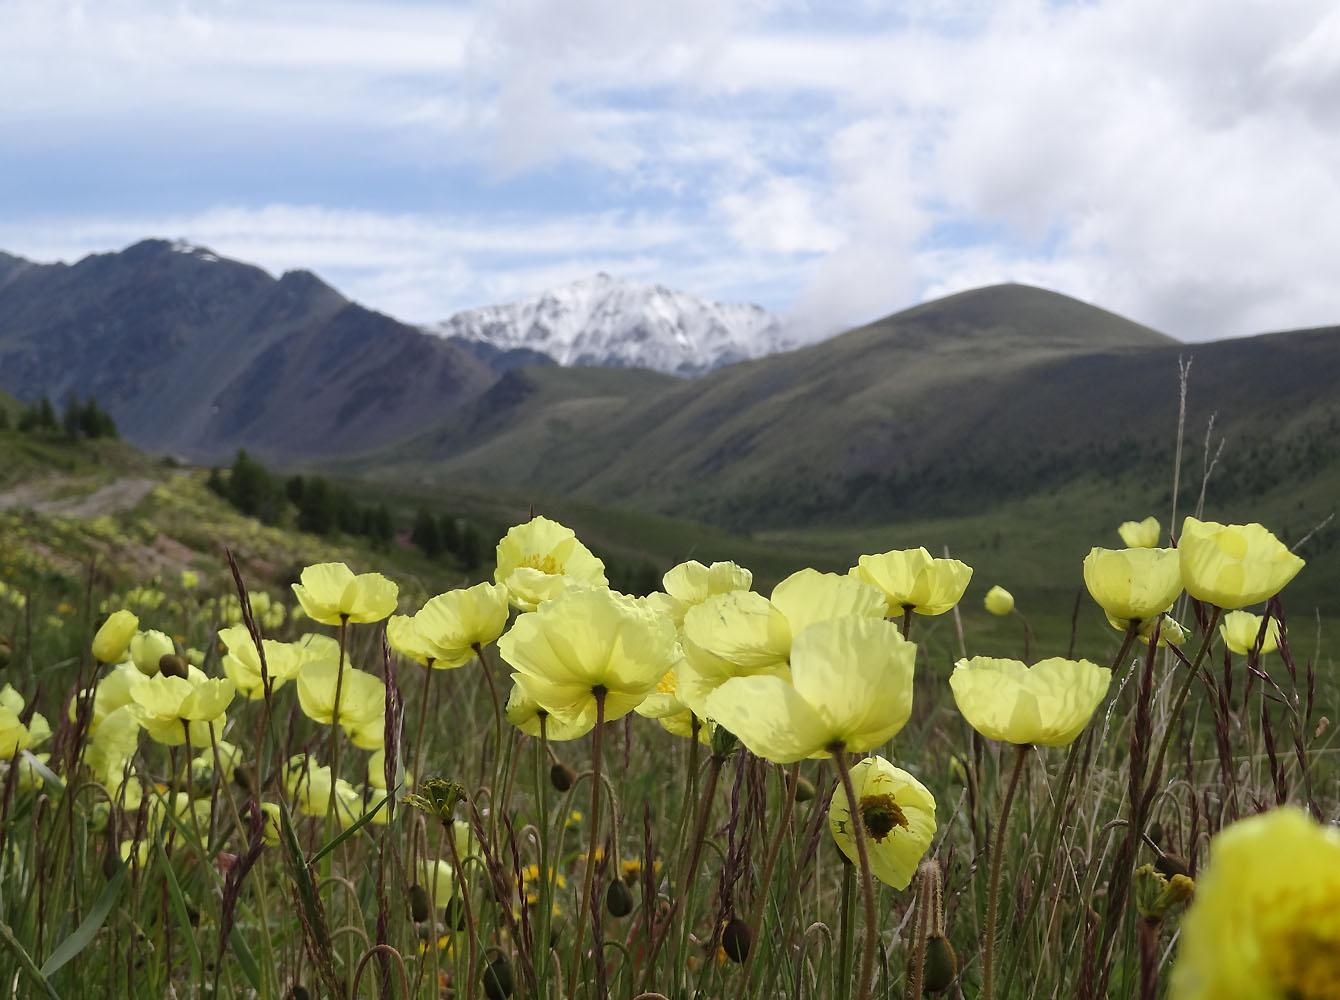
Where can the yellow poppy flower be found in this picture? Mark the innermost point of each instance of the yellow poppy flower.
(912, 579)
(1049, 703)
(242, 663)
(403, 635)
(742, 633)
(1240, 629)
(851, 686)
(362, 699)
(1140, 534)
(1171, 632)
(1133, 585)
(1265, 922)
(664, 706)
(690, 583)
(309, 786)
(167, 706)
(1233, 565)
(112, 692)
(331, 594)
(438, 880)
(899, 816)
(14, 735)
(540, 559)
(147, 648)
(524, 713)
(452, 624)
(112, 639)
(587, 640)
(999, 601)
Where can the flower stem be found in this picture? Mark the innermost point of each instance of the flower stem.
(765, 879)
(993, 883)
(839, 752)
(540, 949)
(589, 879)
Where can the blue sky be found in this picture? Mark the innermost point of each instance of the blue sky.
(833, 161)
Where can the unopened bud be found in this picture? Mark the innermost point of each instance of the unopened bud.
(172, 665)
(561, 776)
(618, 899)
(420, 906)
(735, 940)
(941, 965)
(498, 983)
(804, 788)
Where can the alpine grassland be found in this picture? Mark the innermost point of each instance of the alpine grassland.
(384, 737)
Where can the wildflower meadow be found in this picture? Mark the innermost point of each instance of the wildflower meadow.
(537, 786)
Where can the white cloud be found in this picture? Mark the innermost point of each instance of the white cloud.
(1171, 161)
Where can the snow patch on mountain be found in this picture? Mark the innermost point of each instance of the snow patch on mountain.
(629, 324)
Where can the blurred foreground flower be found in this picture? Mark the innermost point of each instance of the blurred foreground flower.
(898, 812)
(1049, 703)
(1265, 923)
(1233, 565)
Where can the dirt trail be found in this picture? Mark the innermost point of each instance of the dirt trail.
(115, 496)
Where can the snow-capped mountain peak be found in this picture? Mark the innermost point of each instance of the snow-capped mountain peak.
(604, 320)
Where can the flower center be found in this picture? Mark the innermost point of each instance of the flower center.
(880, 814)
(546, 564)
(668, 683)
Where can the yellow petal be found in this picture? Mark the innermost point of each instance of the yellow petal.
(770, 717)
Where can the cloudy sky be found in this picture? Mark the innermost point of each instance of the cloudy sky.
(1178, 162)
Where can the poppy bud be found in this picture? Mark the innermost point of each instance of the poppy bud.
(419, 905)
(561, 776)
(941, 965)
(735, 940)
(172, 665)
(804, 789)
(618, 899)
(498, 978)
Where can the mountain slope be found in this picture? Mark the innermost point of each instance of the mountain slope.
(780, 437)
(624, 324)
(200, 355)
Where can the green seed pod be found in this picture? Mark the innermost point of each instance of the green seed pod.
(941, 965)
(420, 907)
(297, 992)
(1155, 833)
(1169, 865)
(735, 940)
(172, 665)
(498, 978)
(561, 776)
(804, 789)
(618, 899)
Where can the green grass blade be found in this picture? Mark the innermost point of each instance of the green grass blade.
(353, 828)
(178, 900)
(90, 926)
(26, 960)
(49, 777)
(245, 959)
